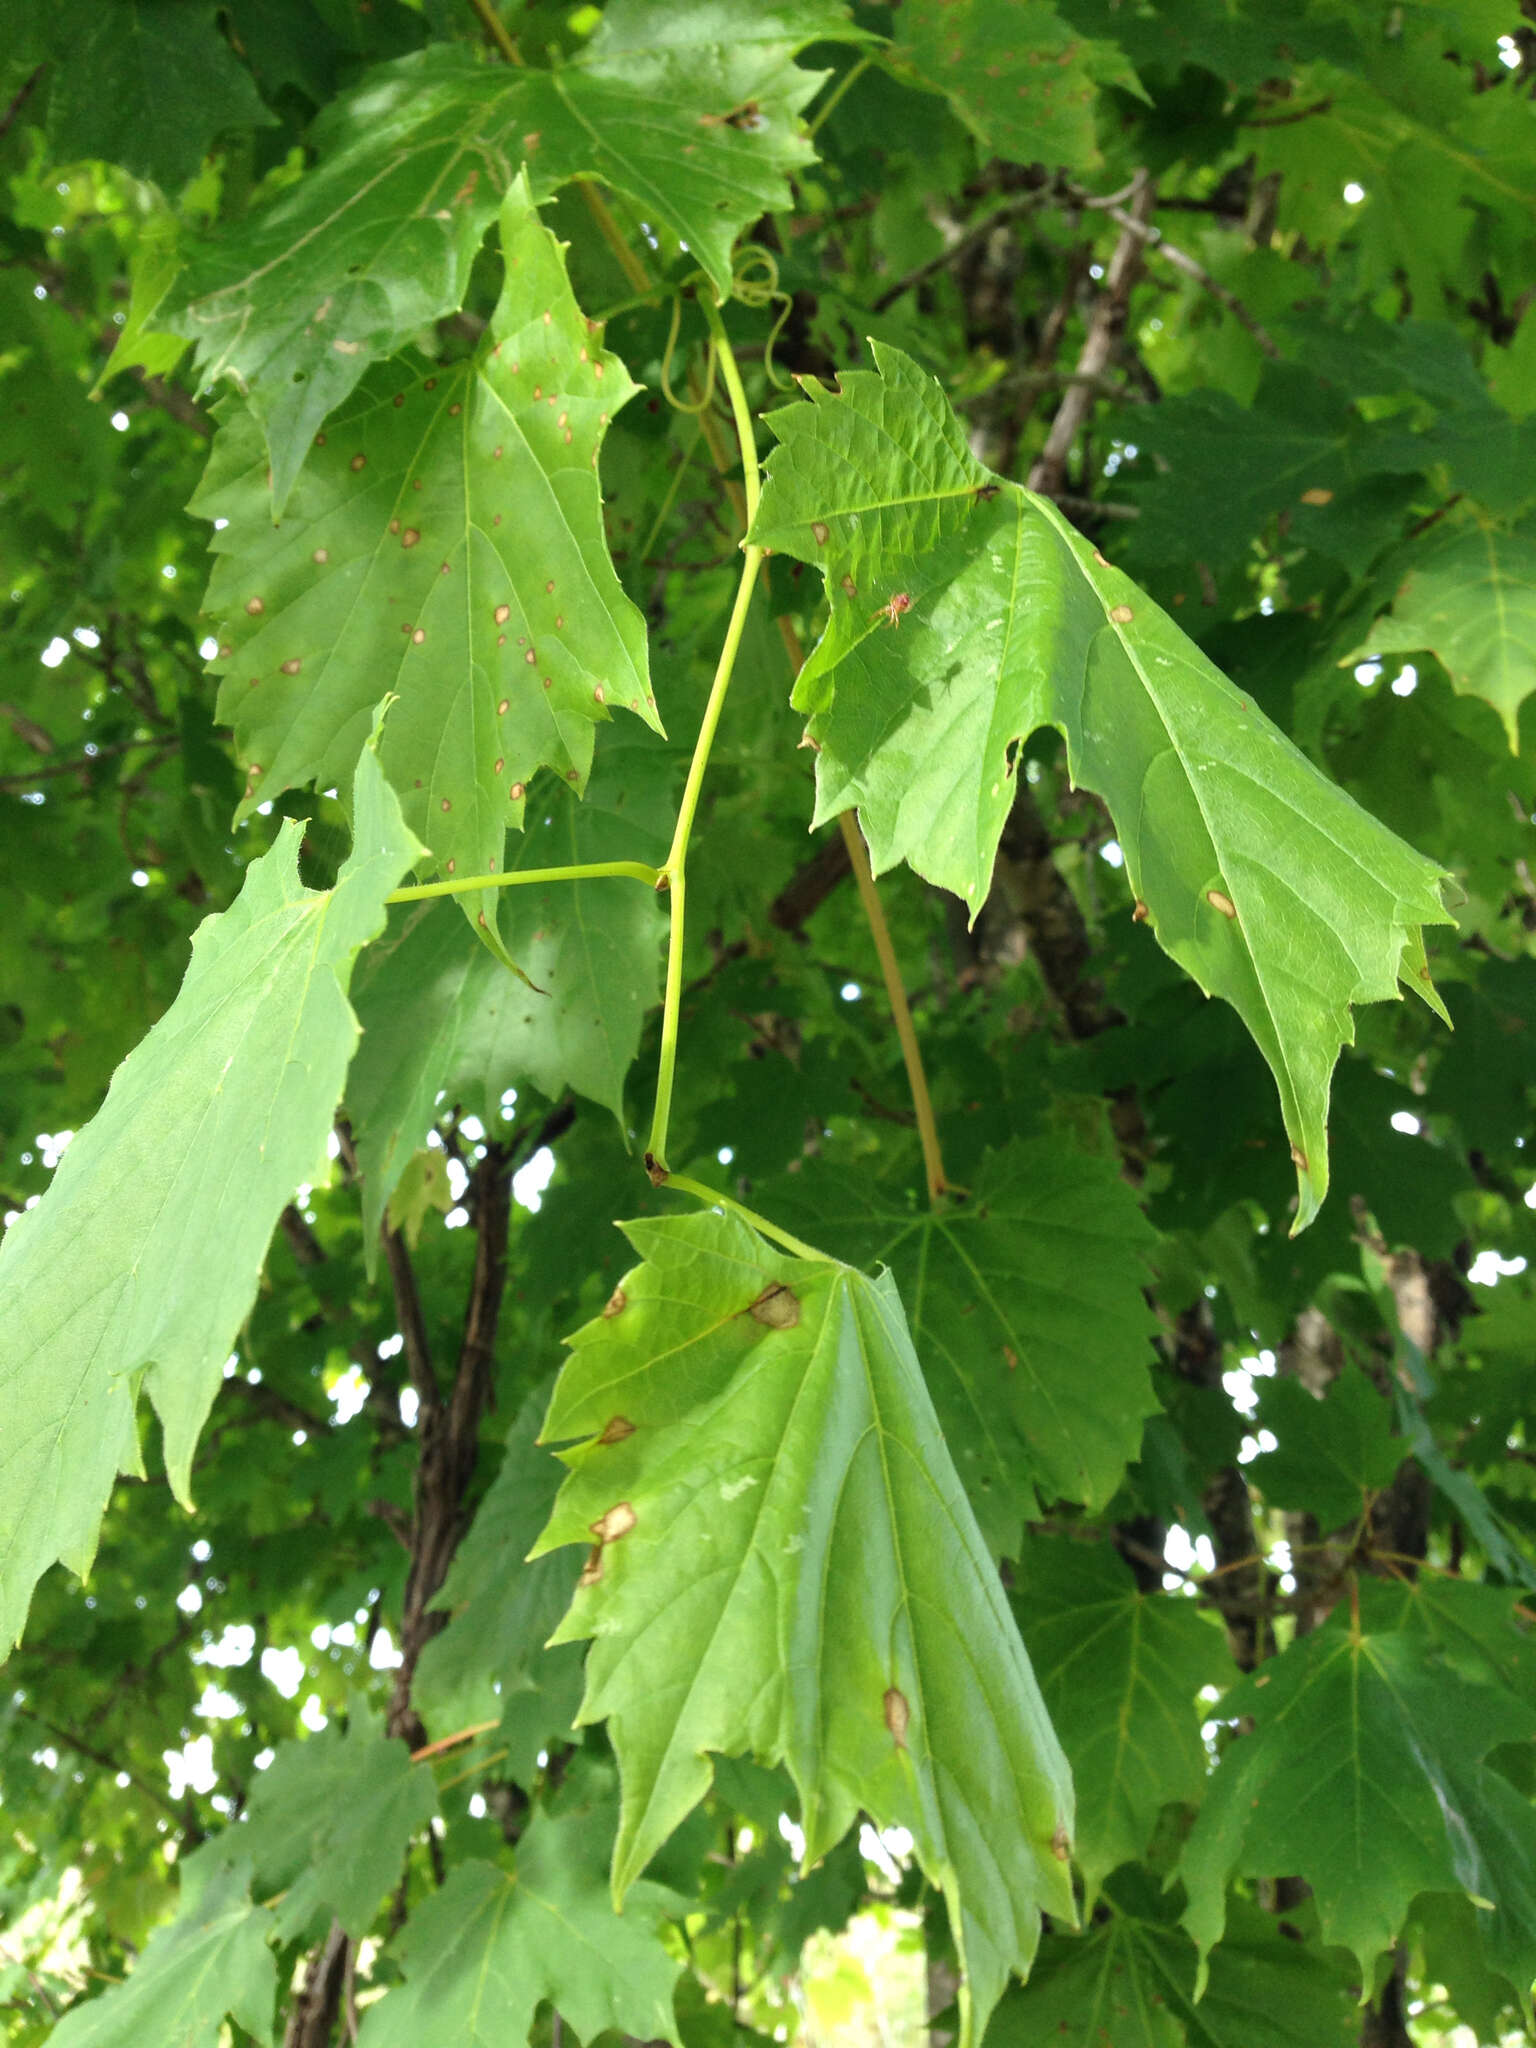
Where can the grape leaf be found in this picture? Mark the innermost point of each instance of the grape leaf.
(1025, 82)
(446, 542)
(1120, 1671)
(785, 1563)
(328, 1825)
(696, 120)
(1469, 598)
(1017, 1295)
(1363, 1774)
(481, 1954)
(1129, 1982)
(142, 1259)
(1331, 1455)
(1266, 883)
(491, 1656)
(148, 84)
(212, 1960)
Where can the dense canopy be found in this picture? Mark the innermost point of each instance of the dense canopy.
(950, 590)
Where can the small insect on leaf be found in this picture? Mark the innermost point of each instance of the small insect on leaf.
(893, 608)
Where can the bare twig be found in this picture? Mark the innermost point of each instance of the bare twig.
(1104, 328)
(1157, 241)
(959, 249)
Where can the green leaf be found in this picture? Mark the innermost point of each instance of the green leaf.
(491, 1657)
(328, 1825)
(148, 84)
(438, 1012)
(446, 543)
(765, 1416)
(1469, 598)
(693, 116)
(1363, 1775)
(212, 1961)
(140, 1263)
(1333, 1454)
(481, 1954)
(1120, 1671)
(1017, 1295)
(1022, 80)
(1129, 1982)
(1259, 876)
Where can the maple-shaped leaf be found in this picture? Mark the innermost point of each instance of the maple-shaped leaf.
(785, 1563)
(490, 1660)
(1332, 1455)
(140, 1263)
(211, 1963)
(445, 543)
(148, 84)
(692, 114)
(480, 1955)
(1025, 82)
(1468, 597)
(1120, 1671)
(1015, 1296)
(1364, 1775)
(1128, 1981)
(328, 1825)
(965, 614)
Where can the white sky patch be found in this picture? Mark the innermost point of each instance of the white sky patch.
(1353, 193)
(1406, 681)
(850, 992)
(530, 1181)
(284, 1669)
(54, 652)
(384, 1656)
(348, 1394)
(1184, 1556)
(1112, 852)
(218, 1705)
(312, 1715)
(191, 1767)
(190, 1599)
(1489, 1268)
(410, 1406)
(236, 1646)
(1406, 1124)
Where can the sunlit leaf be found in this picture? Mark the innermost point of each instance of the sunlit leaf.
(965, 614)
(785, 1564)
(139, 1265)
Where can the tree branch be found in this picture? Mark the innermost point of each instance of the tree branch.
(1108, 319)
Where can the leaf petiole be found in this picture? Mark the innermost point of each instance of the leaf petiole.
(593, 871)
(760, 1224)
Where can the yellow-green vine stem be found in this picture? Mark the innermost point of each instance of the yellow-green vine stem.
(675, 871)
(594, 871)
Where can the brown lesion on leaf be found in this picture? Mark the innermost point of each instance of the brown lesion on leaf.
(1298, 1158)
(608, 1528)
(1221, 902)
(1061, 1842)
(616, 1304)
(777, 1306)
(897, 1715)
(615, 1429)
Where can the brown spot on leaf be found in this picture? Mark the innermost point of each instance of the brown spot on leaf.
(255, 606)
(597, 693)
(359, 462)
(592, 1570)
(616, 1428)
(1298, 1157)
(777, 1306)
(502, 706)
(1102, 560)
(1317, 497)
(1010, 1358)
(821, 532)
(321, 555)
(1061, 1842)
(897, 1715)
(616, 1303)
(418, 636)
(1218, 901)
(409, 538)
(502, 613)
(291, 668)
(617, 1523)
(1121, 614)
(516, 792)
